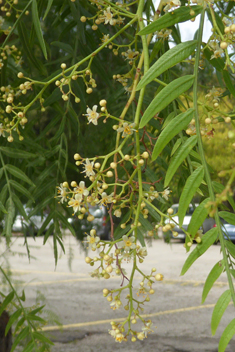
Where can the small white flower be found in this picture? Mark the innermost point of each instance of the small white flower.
(89, 168)
(92, 115)
(126, 129)
(2, 130)
(165, 193)
(128, 243)
(92, 241)
(81, 189)
(106, 198)
(131, 54)
(108, 17)
(172, 3)
(105, 38)
(61, 190)
(1, 21)
(146, 329)
(116, 304)
(75, 202)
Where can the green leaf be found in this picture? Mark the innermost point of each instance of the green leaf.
(228, 333)
(19, 206)
(65, 222)
(21, 189)
(22, 335)
(169, 59)
(179, 15)
(14, 153)
(41, 337)
(37, 27)
(228, 82)
(30, 346)
(176, 146)
(178, 158)
(66, 47)
(15, 171)
(192, 184)
(13, 318)
(214, 274)
(2, 208)
(166, 96)
(228, 217)
(198, 217)
(6, 301)
(168, 119)
(216, 63)
(219, 188)
(207, 240)
(24, 40)
(172, 129)
(9, 217)
(45, 224)
(50, 2)
(231, 248)
(22, 297)
(219, 310)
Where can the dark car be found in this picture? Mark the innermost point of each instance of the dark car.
(100, 223)
(206, 226)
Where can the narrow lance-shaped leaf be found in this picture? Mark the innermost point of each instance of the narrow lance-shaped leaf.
(178, 158)
(21, 189)
(22, 335)
(37, 26)
(192, 184)
(229, 217)
(207, 240)
(228, 333)
(166, 96)
(198, 217)
(167, 60)
(211, 278)
(6, 301)
(13, 318)
(231, 248)
(48, 8)
(9, 217)
(2, 208)
(228, 82)
(14, 153)
(219, 310)
(175, 126)
(179, 15)
(15, 171)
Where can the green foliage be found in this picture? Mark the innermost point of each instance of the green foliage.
(77, 85)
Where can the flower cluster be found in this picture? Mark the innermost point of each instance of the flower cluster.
(113, 264)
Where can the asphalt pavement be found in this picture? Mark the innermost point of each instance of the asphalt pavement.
(180, 322)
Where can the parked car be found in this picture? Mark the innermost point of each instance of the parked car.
(207, 224)
(100, 223)
(31, 227)
(228, 231)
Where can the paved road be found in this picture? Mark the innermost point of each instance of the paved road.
(182, 323)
